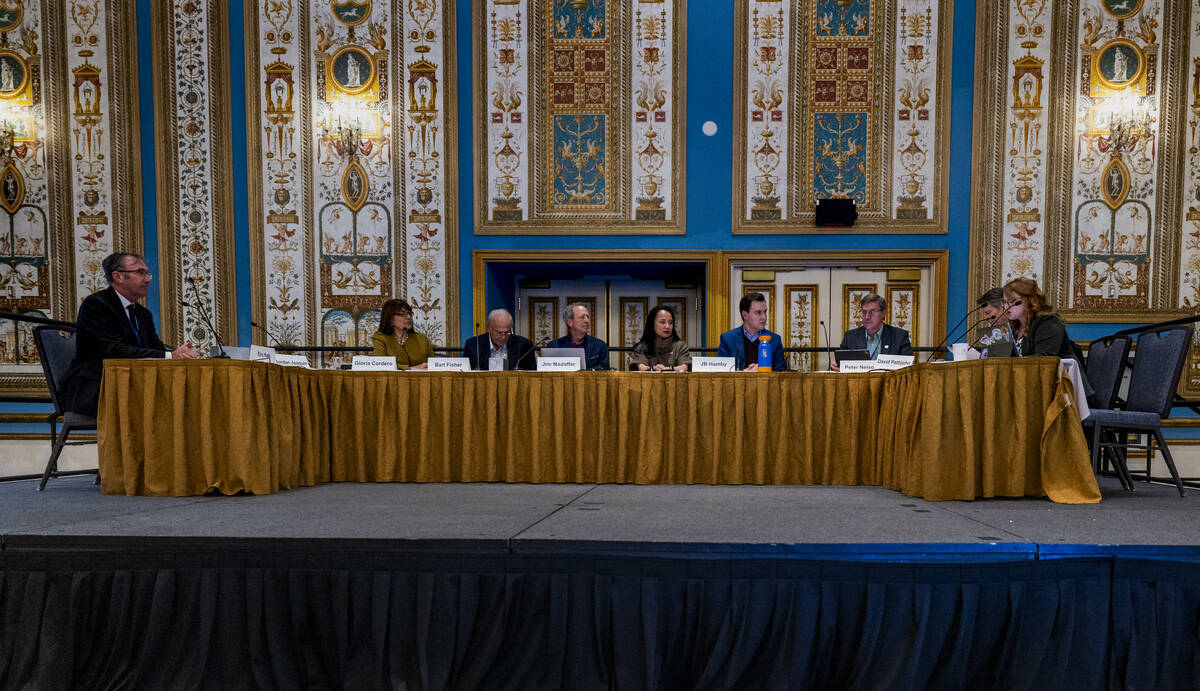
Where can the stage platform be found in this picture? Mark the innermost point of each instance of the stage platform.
(513, 586)
(680, 521)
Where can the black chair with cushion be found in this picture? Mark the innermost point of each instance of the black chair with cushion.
(1105, 366)
(1161, 356)
(56, 349)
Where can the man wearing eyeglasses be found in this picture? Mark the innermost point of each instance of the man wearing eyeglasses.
(111, 324)
(498, 341)
(874, 336)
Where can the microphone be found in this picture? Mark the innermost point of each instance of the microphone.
(217, 351)
(404, 349)
(262, 328)
(828, 342)
(521, 359)
(938, 348)
(980, 322)
(479, 348)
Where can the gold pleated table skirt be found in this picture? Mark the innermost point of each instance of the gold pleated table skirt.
(985, 428)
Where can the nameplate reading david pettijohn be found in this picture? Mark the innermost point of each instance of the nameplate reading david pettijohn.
(559, 364)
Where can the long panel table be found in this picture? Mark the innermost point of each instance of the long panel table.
(985, 428)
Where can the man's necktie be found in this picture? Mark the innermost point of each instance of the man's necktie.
(133, 322)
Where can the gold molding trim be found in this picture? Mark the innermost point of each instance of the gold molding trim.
(172, 287)
(937, 225)
(583, 226)
(713, 294)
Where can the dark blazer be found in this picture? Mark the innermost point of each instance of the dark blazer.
(733, 344)
(595, 350)
(104, 331)
(1047, 335)
(894, 341)
(477, 349)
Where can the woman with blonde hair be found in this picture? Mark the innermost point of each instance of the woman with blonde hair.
(1037, 330)
(397, 338)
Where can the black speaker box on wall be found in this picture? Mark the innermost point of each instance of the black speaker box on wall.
(836, 213)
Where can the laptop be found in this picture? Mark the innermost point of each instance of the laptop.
(994, 341)
(851, 354)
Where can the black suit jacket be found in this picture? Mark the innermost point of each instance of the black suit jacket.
(103, 331)
(477, 349)
(894, 341)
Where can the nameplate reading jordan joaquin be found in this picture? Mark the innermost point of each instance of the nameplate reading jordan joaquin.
(292, 361)
(449, 364)
(559, 364)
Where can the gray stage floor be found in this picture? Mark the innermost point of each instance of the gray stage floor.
(801, 521)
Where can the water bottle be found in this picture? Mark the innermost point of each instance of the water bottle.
(764, 353)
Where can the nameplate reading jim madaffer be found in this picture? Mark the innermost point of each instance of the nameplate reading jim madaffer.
(559, 364)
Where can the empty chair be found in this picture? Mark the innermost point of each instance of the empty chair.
(1104, 367)
(1161, 355)
(56, 349)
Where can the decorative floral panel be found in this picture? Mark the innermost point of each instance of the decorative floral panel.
(579, 116)
(543, 320)
(904, 308)
(633, 320)
(1080, 105)
(803, 315)
(194, 158)
(355, 197)
(843, 99)
(68, 152)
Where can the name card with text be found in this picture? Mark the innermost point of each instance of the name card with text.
(712, 364)
(292, 361)
(848, 366)
(559, 364)
(373, 363)
(892, 362)
(262, 353)
(449, 364)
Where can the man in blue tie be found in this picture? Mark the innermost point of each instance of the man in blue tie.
(111, 324)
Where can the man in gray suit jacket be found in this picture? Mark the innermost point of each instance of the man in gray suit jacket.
(874, 336)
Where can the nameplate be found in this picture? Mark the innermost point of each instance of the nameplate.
(712, 364)
(373, 363)
(262, 353)
(559, 364)
(851, 366)
(893, 362)
(292, 361)
(449, 364)
(496, 364)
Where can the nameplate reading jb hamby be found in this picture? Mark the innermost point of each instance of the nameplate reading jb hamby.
(559, 364)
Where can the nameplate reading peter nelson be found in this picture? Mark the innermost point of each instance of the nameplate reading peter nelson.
(849, 366)
(292, 360)
(449, 364)
(373, 363)
(558, 364)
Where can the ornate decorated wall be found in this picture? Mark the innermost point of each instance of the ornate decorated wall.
(841, 99)
(579, 116)
(194, 170)
(353, 151)
(1086, 163)
(68, 163)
